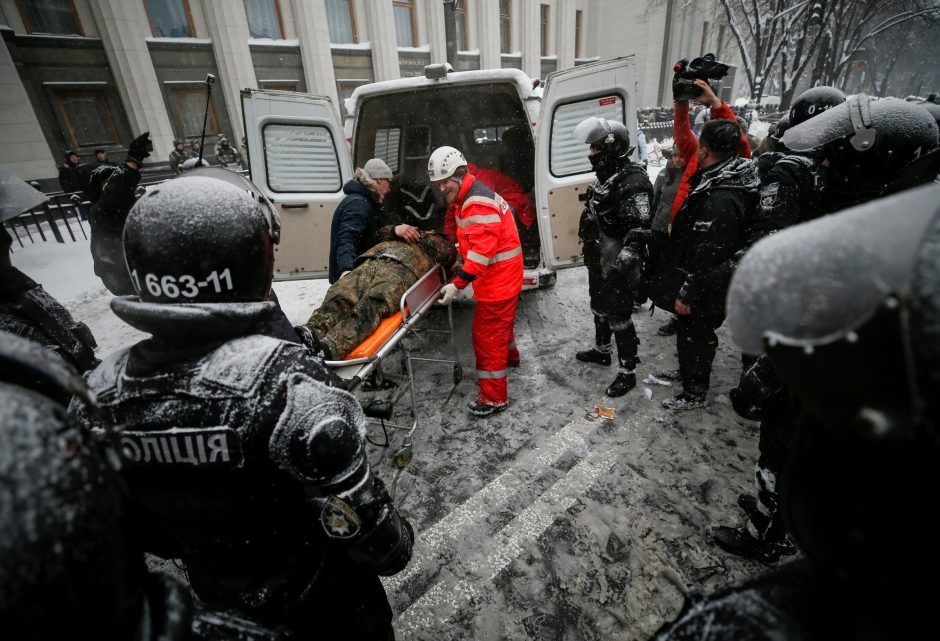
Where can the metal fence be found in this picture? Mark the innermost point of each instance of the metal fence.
(47, 221)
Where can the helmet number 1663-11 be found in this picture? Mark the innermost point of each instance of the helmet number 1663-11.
(186, 286)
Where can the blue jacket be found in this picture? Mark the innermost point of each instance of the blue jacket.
(355, 228)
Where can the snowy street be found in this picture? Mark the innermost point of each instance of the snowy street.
(537, 523)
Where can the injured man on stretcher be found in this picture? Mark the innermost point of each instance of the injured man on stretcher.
(357, 303)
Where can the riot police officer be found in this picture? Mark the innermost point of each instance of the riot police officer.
(617, 203)
(243, 460)
(863, 362)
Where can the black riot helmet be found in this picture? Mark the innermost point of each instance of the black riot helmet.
(869, 143)
(201, 239)
(813, 102)
(65, 563)
(847, 308)
(610, 138)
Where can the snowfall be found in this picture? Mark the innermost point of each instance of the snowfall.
(545, 521)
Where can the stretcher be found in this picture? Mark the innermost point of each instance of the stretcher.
(365, 361)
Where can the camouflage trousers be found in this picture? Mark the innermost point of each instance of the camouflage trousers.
(357, 303)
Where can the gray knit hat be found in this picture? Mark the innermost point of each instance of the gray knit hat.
(376, 168)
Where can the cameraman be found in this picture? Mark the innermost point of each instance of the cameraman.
(685, 140)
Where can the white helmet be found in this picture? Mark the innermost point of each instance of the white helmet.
(443, 162)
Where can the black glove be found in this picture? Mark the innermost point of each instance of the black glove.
(639, 236)
(140, 148)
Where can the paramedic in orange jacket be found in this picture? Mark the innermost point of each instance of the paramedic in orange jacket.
(492, 260)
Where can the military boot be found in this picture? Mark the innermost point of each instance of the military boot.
(594, 355)
(622, 384)
(738, 541)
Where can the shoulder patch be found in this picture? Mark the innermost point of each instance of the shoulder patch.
(642, 202)
(339, 520)
(237, 364)
(768, 195)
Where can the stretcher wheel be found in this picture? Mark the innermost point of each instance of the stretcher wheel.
(458, 374)
(402, 456)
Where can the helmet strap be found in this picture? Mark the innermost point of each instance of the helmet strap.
(860, 113)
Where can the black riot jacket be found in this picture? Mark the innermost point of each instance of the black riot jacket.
(242, 459)
(614, 207)
(789, 194)
(695, 263)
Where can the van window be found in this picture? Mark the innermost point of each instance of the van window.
(567, 154)
(387, 144)
(301, 158)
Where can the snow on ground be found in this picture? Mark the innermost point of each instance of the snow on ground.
(537, 523)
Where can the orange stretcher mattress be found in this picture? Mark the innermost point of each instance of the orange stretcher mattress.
(371, 345)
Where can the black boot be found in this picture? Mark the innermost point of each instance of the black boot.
(622, 384)
(593, 355)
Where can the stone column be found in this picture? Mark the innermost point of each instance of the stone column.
(380, 19)
(228, 28)
(437, 38)
(314, 35)
(565, 36)
(25, 151)
(487, 21)
(530, 20)
(124, 30)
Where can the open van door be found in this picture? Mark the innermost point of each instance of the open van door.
(298, 157)
(563, 172)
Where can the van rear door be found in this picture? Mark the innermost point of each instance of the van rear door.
(563, 173)
(299, 158)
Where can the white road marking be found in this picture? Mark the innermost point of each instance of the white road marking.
(434, 543)
(447, 598)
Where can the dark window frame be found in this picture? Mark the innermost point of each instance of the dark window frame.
(505, 47)
(101, 97)
(176, 113)
(578, 23)
(189, 18)
(544, 24)
(412, 10)
(24, 15)
(277, 11)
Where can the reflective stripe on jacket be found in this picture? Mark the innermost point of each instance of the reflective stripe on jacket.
(489, 243)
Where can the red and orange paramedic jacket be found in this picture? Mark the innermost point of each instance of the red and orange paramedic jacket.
(489, 243)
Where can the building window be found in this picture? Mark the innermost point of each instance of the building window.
(405, 27)
(170, 18)
(543, 10)
(578, 17)
(188, 108)
(505, 27)
(460, 18)
(50, 16)
(264, 19)
(341, 19)
(87, 118)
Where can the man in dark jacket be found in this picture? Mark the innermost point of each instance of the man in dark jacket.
(243, 460)
(356, 220)
(617, 203)
(695, 264)
(355, 306)
(70, 176)
(112, 193)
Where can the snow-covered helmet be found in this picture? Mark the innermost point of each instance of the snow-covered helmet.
(832, 330)
(868, 142)
(813, 102)
(64, 558)
(444, 161)
(200, 239)
(612, 138)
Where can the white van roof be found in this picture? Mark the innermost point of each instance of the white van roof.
(517, 76)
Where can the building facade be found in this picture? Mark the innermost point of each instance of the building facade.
(87, 74)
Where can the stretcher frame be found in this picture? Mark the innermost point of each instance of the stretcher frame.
(415, 304)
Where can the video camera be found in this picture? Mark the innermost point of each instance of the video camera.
(706, 68)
